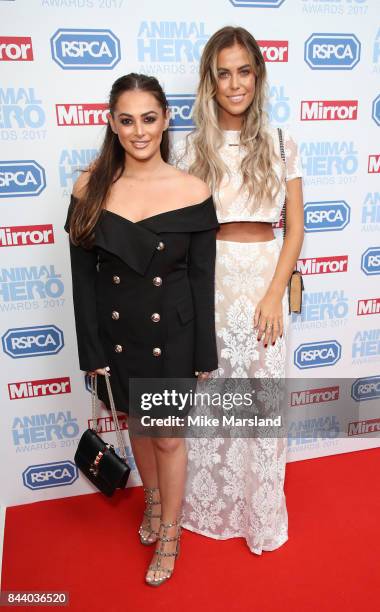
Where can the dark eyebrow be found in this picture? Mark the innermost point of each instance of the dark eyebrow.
(142, 115)
(240, 67)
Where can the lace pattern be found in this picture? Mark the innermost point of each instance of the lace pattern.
(235, 486)
(232, 201)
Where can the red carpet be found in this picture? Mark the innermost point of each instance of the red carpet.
(88, 546)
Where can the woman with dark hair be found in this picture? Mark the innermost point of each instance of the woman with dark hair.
(235, 486)
(142, 245)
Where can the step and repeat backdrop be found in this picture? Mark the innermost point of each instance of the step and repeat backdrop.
(58, 59)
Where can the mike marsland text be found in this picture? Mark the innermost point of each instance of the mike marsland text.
(206, 421)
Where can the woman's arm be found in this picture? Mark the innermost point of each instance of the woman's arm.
(292, 244)
(269, 309)
(83, 272)
(84, 275)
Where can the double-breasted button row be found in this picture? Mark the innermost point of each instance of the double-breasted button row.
(155, 316)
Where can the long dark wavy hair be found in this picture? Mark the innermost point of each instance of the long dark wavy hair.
(109, 165)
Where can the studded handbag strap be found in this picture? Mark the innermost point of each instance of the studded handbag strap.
(282, 152)
(96, 411)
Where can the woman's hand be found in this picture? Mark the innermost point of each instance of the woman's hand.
(203, 375)
(101, 371)
(269, 319)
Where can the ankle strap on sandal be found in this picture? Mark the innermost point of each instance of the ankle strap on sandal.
(148, 495)
(177, 523)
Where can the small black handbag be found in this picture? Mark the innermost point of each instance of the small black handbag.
(97, 460)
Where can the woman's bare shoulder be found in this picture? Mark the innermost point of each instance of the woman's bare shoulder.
(80, 185)
(191, 188)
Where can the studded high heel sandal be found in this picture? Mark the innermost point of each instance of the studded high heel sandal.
(147, 535)
(156, 566)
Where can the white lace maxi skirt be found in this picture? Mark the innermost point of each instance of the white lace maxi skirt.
(235, 487)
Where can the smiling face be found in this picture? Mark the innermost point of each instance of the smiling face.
(235, 85)
(139, 121)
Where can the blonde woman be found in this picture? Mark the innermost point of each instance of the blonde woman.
(235, 486)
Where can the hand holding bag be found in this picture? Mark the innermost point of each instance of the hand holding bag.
(97, 460)
(295, 284)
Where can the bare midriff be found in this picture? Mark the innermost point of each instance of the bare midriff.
(245, 231)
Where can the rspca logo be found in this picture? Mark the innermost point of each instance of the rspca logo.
(376, 110)
(71, 162)
(85, 49)
(47, 475)
(16, 49)
(181, 112)
(257, 3)
(20, 108)
(367, 388)
(332, 51)
(326, 216)
(371, 261)
(21, 179)
(171, 41)
(317, 354)
(32, 341)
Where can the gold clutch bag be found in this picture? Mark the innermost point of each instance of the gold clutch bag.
(295, 284)
(295, 288)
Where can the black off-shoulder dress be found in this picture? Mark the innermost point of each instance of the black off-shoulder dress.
(144, 296)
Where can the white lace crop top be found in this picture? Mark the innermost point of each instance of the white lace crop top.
(232, 201)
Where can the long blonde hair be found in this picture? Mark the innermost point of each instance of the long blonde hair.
(257, 170)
